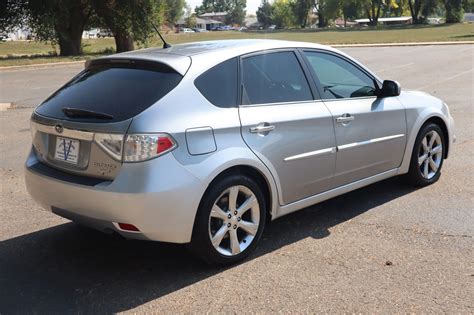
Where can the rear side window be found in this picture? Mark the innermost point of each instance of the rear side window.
(274, 78)
(219, 84)
(120, 91)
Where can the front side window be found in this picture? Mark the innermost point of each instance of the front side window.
(339, 78)
(273, 78)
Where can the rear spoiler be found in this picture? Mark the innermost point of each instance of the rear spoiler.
(163, 62)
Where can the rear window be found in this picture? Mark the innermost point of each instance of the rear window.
(118, 90)
(219, 84)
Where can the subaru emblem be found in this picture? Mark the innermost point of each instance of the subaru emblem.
(59, 128)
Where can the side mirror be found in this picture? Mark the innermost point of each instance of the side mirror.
(389, 88)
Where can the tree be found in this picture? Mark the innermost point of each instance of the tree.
(468, 5)
(130, 20)
(212, 6)
(415, 8)
(301, 9)
(236, 12)
(372, 9)
(327, 9)
(282, 14)
(332, 9)
(350, 10)
(321, 8)
(191, 21)
(12, 14)
(174, 10)
(60, 21)
(454, 11)
(265, 14)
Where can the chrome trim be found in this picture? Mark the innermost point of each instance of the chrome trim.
(312, 153)
(67, 133)
(344, 119)
(281, 103)
(371, 141)
(261, 128)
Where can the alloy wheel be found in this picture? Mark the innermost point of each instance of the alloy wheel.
(234, 220)
(430, 154)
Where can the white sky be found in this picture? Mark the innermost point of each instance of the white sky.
(252, 5)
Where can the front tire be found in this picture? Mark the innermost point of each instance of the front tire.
(427, 156)
(230, 221)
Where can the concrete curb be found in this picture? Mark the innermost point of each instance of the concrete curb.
(403, 44)
(42, 65)
(66, 63)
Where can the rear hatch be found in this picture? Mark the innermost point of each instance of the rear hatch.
(80, 129)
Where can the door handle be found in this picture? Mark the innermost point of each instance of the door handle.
(344, 119)
(262, 128)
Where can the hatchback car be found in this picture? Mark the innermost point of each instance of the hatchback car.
(204, 143)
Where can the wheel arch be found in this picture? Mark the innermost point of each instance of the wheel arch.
(253, 173)
(441, 123)
(428, 117)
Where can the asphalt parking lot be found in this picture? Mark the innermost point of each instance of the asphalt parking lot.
(386, 248)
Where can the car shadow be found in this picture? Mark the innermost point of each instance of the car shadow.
(68, 268)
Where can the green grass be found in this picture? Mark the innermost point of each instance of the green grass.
(21, 53)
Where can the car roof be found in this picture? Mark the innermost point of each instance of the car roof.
(204, 54)
(195, 48)
(179, 56)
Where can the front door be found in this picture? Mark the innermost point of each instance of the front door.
(370, 132)
(282, 124)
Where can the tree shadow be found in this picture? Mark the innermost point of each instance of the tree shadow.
(68, 268)
(463, 36)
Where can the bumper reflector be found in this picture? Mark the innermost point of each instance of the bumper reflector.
(128, 227)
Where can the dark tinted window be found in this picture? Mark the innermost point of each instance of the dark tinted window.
(120, 91)
(219, 84)
(339, 78)
(274, 78)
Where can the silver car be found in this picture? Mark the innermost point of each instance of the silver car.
(204, 143)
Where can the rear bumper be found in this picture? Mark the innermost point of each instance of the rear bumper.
(160, 197)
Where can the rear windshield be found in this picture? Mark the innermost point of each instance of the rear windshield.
(118, 91)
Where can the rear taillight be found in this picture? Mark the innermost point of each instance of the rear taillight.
(147, 146)
(135, 148)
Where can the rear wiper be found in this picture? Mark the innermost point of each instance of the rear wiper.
(84, 113)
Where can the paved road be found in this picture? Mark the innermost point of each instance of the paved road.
(332, 257)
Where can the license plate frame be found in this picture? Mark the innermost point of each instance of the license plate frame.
(67, 150)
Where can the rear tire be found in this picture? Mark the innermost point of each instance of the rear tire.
(229, 222)
(427, 156)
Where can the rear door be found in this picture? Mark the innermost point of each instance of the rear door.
(370, 131)
(284, 126)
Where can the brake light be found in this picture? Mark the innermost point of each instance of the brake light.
(164, 144)
(147, 146)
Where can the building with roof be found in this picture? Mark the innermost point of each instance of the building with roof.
(205, 24)
(217, 16)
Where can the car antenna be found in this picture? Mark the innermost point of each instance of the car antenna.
(165, 44)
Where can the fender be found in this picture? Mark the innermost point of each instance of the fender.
(421, 118)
